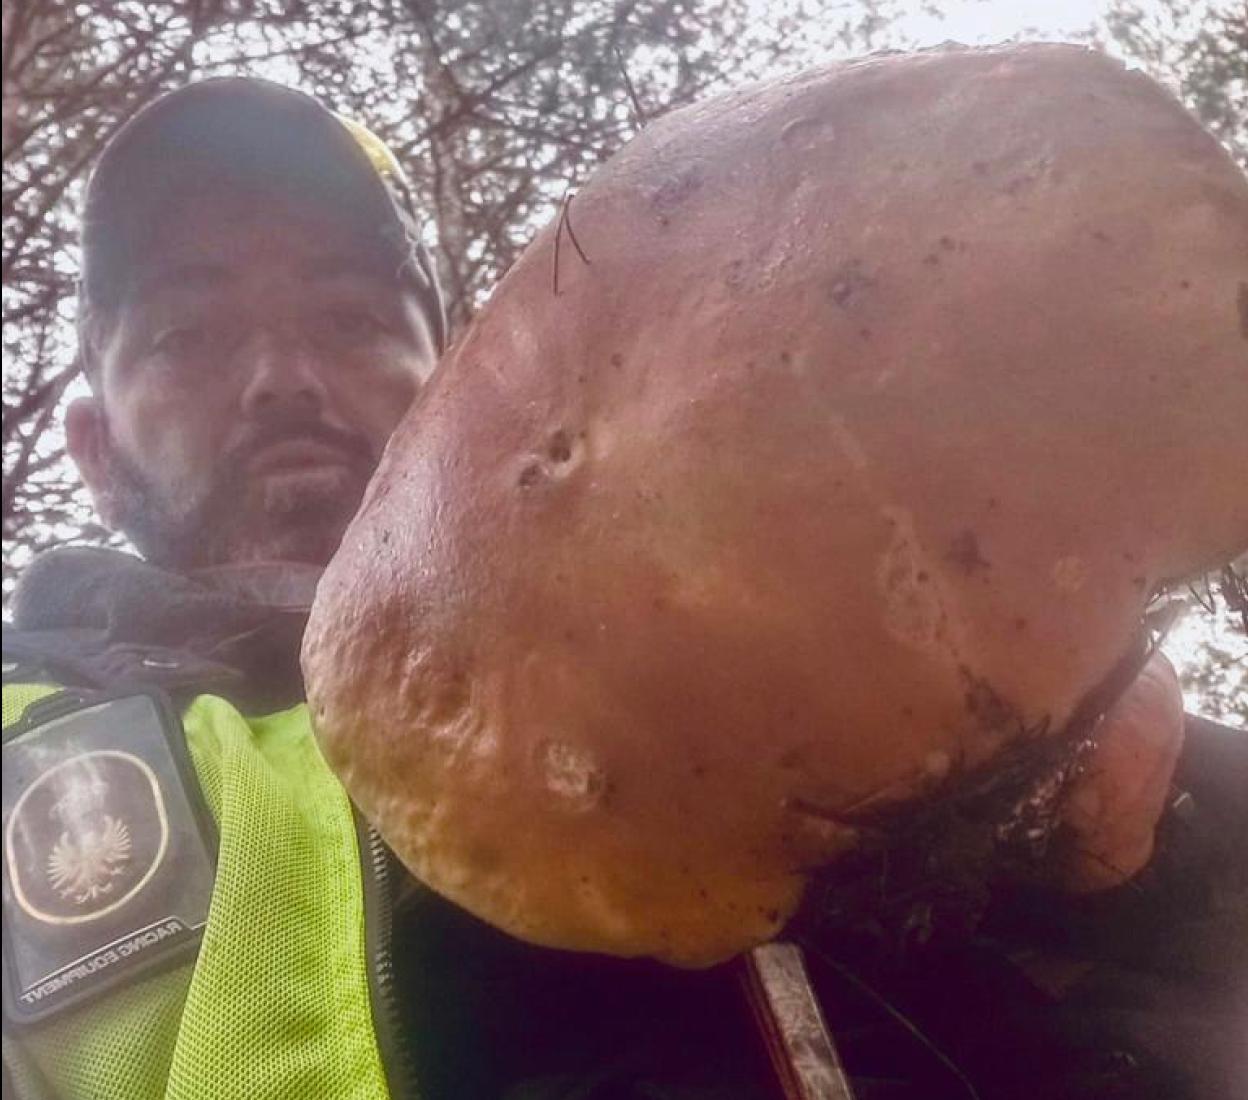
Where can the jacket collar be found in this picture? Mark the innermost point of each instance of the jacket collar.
(247, 621)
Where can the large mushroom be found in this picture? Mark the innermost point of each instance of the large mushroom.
(843, 462)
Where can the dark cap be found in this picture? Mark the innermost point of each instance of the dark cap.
(259, 133)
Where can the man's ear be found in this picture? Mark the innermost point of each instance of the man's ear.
(90, 446)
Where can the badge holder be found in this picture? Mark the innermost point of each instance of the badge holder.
(109, 850)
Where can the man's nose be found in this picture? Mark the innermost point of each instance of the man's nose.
(283, 376)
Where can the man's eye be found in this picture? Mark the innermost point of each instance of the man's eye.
(349, 324)
(180, 341)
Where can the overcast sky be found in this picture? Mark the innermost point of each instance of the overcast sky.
(974, 21)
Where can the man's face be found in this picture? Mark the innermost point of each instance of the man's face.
(248, 384)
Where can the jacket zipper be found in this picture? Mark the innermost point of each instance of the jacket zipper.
(392, 1042)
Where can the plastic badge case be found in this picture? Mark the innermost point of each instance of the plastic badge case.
(108, 849)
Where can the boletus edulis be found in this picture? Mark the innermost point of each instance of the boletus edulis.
(819, 459)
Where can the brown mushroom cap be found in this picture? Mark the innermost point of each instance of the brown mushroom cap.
(885, 397)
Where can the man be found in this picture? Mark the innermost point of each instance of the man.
(191, 908)
(257, 314)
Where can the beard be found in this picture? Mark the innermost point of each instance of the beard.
(241, 517)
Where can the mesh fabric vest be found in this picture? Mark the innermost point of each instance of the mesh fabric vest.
(277, 1002)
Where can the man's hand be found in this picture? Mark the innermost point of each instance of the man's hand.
(1113, 808)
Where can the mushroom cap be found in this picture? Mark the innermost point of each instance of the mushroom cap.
(848, 455)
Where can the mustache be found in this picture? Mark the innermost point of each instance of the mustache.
(298, 429)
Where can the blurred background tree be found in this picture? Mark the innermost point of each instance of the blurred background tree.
(496, 108)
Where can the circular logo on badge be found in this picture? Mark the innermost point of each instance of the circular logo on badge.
(85, 837)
